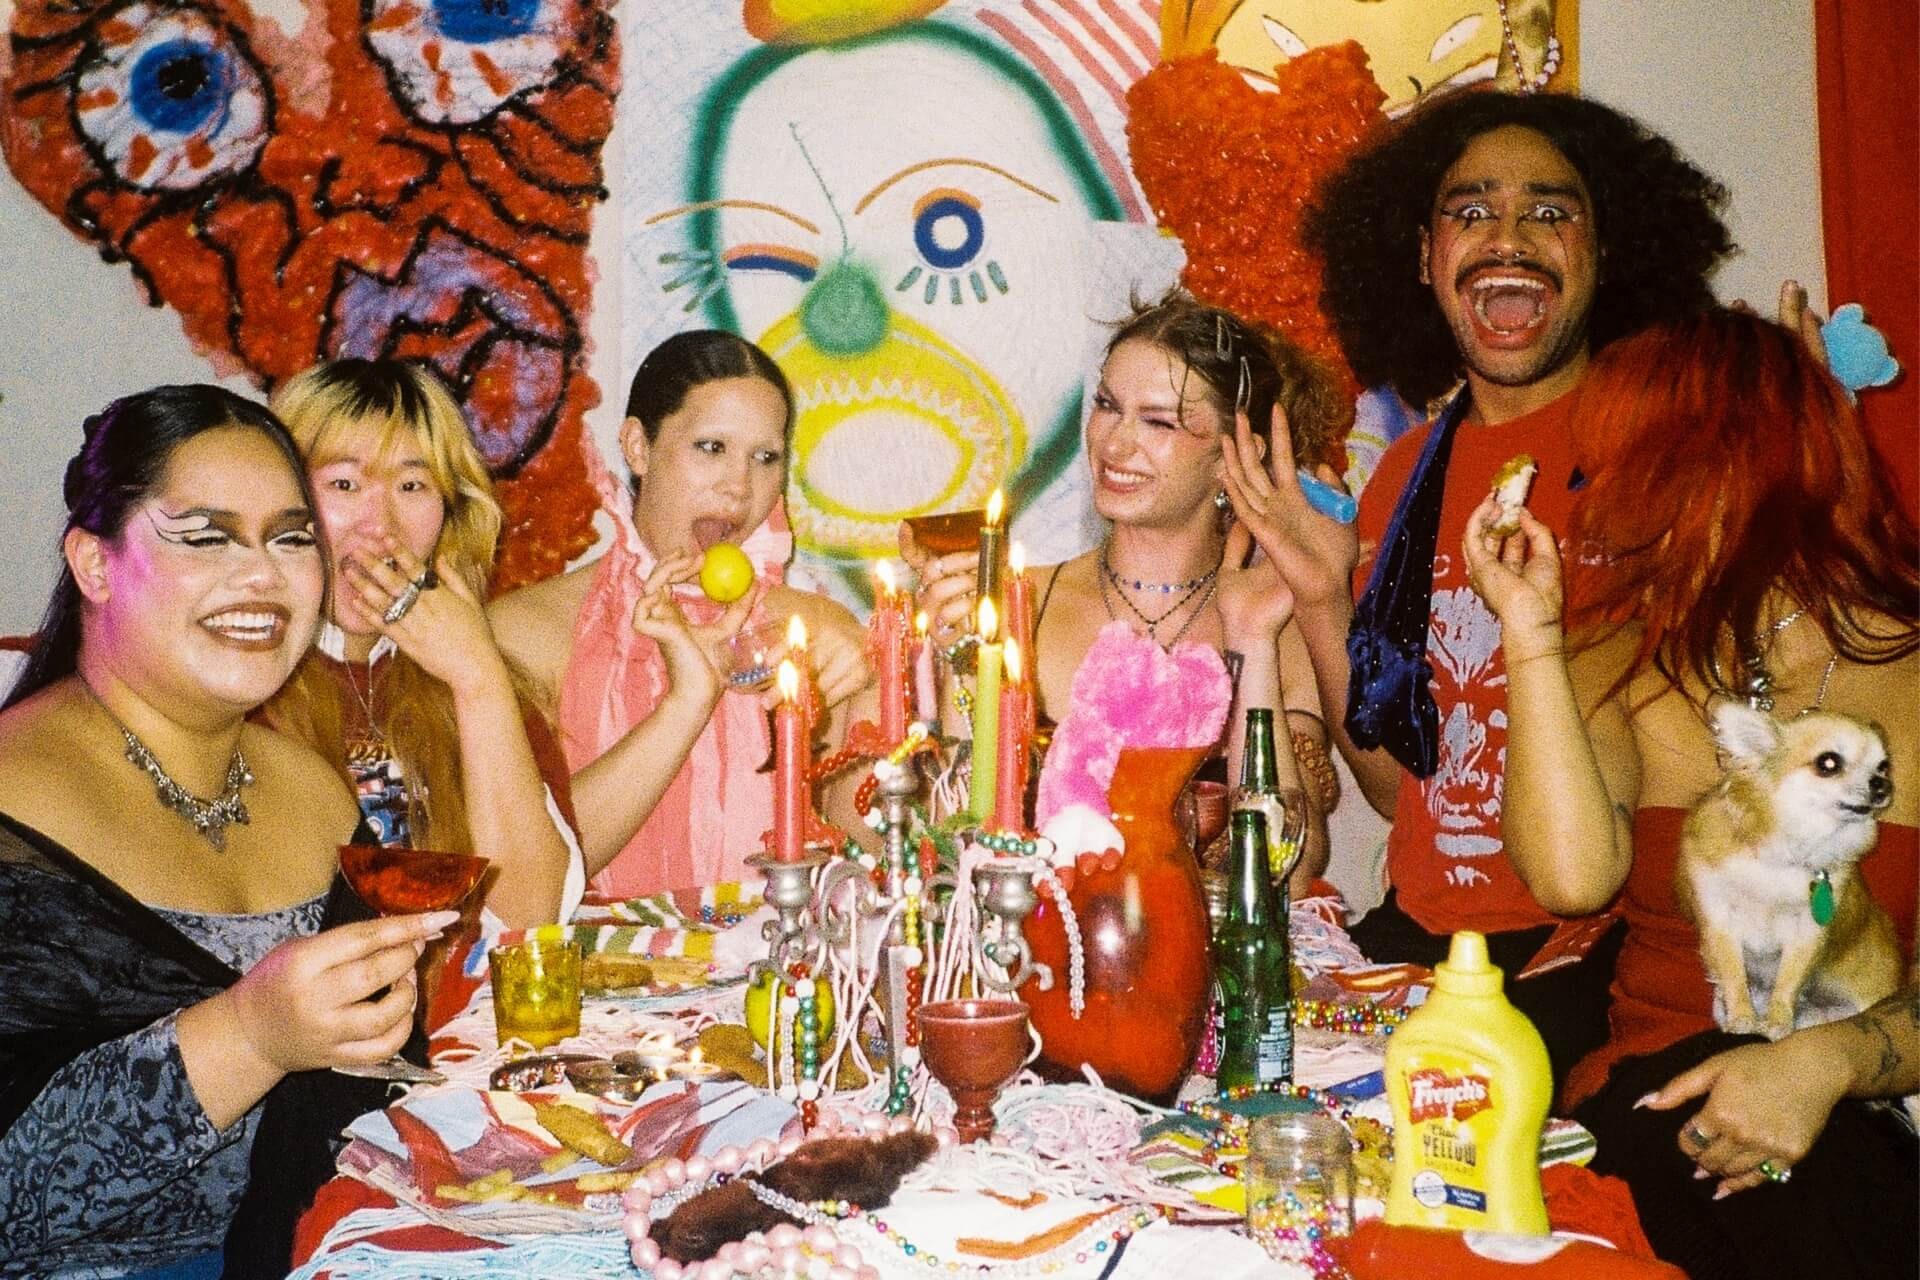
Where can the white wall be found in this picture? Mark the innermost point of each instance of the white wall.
(1733, 86)
(1735, 93)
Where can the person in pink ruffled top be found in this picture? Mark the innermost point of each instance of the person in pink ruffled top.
(666, 755)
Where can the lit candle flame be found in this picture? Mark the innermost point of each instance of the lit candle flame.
(995, 505)
(789, 680)
(920, 623)
(1017, 559)
(1013, 661)
(796, 633)
(694, 1055)
(883, 570)
(989, 620)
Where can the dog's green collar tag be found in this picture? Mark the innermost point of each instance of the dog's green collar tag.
(1820, 899)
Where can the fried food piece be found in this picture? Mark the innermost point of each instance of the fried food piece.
(486, 1189)
(613, 1180)
(612, 971)
(1511, 485)
(581, 1131)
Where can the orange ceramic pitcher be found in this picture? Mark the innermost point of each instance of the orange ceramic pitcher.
(1148, 969)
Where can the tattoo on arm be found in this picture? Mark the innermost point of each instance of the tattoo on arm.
(1897, 1016)
(1234, 660)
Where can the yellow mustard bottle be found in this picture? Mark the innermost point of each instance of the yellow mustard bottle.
(1469, 1083)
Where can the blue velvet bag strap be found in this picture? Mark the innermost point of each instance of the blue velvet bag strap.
(1388, 702)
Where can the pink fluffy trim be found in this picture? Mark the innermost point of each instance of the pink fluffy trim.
(1127, 693)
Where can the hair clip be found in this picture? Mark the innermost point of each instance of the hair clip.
(1221, 347)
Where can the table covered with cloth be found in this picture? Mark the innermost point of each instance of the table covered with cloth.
(1079, 1182)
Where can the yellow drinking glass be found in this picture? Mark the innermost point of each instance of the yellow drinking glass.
(536, 991)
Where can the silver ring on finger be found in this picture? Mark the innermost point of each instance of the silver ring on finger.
(1696, 1137)
(401, 603)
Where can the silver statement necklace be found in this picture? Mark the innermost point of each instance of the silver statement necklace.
(1758, 685)
(210, 818)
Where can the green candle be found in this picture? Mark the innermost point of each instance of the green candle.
(986, 714)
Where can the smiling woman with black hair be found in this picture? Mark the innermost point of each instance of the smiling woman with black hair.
(173, 987)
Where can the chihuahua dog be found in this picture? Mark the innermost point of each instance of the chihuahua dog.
(1769, 871)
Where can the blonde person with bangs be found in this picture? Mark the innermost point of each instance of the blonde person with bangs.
(406, 689)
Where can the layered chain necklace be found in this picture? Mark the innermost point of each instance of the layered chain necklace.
(210, 818)
(1758, 685)
(1112, 584)
(366, 697)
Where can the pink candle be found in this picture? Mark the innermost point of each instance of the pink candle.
(789, 768)
(887, 641)
(926, 693)
(1010, 771)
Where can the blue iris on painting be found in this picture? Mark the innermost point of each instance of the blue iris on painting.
(972, 233)
(484, 21)
(178, 85)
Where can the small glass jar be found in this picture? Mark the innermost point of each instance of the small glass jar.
(1299, 1179)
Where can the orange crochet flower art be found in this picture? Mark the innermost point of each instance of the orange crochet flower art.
(424, 192)
(1231, 170)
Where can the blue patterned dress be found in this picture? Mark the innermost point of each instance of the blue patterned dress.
(114, 1167)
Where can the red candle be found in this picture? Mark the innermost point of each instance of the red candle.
(1020, 628)
(790, 755)
(1010, 750)
(803, 672)
(887, 641)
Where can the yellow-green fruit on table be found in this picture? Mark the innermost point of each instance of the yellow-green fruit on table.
(760, 999)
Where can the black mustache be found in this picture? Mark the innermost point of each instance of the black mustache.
(1532, 265)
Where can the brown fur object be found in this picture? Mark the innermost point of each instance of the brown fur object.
(862, 1170)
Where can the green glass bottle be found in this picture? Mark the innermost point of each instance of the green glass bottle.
(1250, 955)
(1260, 789)
(1259, 771)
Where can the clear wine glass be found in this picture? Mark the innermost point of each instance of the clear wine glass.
(401, 882)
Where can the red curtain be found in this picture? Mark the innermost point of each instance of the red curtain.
(1868, 60)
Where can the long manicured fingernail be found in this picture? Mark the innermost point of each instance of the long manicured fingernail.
(1699, 1174)
(439, 920)
(1722, 1191)
(1645, 1099)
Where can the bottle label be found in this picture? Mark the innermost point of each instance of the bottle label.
(1432, 1093)
(1273, 1051)
(1446, 1107)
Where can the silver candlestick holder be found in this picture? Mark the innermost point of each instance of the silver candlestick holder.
(794, 934)
(1003, 888)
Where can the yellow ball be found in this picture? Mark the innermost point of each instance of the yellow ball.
(725, 573)
(760, 1000)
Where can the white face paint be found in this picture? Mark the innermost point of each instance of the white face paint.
(903, 234)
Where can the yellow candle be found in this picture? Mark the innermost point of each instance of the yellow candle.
(986, 713)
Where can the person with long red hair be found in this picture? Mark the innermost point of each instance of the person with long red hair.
(1735, 541)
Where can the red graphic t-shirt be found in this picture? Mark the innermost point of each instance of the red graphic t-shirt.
(1445, 858)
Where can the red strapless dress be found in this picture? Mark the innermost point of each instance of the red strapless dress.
(1660, 989)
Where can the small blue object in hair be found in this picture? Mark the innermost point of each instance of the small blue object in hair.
(1856, 351)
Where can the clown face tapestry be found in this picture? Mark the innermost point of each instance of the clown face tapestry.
(927, 221)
